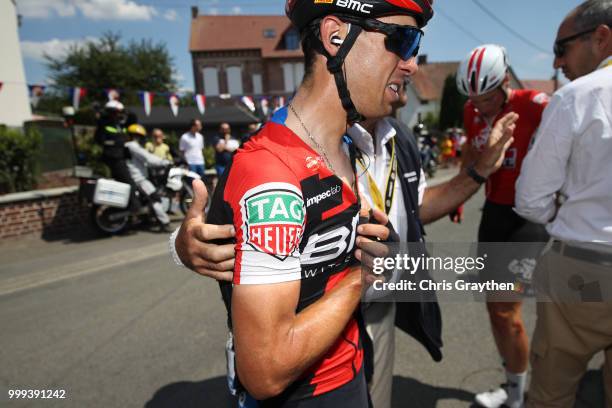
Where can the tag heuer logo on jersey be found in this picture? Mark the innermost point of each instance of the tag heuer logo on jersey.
(273, 215)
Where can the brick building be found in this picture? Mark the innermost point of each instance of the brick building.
(245, 55)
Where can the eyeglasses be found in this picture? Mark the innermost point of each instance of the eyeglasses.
(403, 41)
(559, 47)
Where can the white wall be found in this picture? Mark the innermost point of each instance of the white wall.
(409, 114)
(14, 101)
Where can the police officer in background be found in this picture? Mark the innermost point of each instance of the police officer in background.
(111, 136)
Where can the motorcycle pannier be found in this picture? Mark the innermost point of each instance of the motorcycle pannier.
(112, 193)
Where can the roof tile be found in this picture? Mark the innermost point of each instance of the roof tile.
(222, 33)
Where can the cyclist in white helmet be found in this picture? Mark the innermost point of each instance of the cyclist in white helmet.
(483, 77)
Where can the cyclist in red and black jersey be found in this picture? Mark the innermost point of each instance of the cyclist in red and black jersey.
(291, 197)
(483, 77)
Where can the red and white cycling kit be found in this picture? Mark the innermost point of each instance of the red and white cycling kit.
(529, 104)
(294, 220)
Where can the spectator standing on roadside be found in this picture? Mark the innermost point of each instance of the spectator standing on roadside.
(157, 146)
(191, 146)
(225, 146)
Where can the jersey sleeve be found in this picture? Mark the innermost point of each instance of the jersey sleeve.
(269, 217)
(538, 101)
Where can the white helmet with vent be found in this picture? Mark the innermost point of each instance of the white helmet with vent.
(483, 70)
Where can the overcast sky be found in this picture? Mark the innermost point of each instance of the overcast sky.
(459, 25)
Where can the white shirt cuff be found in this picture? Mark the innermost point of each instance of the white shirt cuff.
(172, 247)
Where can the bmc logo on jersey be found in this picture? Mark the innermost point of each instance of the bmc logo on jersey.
(273, 219)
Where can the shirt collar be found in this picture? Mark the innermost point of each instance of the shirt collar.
(384, 132)
(605, 63)
(364, 141)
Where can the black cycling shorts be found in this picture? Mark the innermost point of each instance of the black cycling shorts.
(514, 260)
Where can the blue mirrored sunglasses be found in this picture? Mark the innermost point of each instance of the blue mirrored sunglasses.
(403, 41)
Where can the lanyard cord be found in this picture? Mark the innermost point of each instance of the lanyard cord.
(377, 197)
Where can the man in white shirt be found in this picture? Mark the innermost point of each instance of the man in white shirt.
(566, 183)
(191, 146)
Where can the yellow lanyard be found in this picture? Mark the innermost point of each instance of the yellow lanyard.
(607, 64)
(383, 204)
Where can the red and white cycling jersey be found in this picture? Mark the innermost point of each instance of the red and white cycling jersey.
(295, 220)
(529, 104)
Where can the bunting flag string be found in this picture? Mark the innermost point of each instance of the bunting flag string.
(260, 104)
(147, 101)
(248, 102)
(174, 102)
(265, 106)
(76, 95)
(200, 101)
(279, 103)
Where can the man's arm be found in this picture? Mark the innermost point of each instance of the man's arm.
(182, 147)
(220, 145)
(544, 168)
(142, 154)
(440, 200)
(274, 345)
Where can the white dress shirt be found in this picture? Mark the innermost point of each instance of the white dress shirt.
(191, 145)
(572, 155)
(378, 162)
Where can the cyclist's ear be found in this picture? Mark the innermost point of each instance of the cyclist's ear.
(331, 31)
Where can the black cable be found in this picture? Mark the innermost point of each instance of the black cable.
(507, 27)
(459, 26)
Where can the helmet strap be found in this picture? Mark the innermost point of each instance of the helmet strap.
(334, 66)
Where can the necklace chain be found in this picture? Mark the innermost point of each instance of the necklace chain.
(320, 149)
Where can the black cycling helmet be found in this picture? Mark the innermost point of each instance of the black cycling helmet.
(302, 12)
(357, 12)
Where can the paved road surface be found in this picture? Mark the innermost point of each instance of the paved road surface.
(114, 324)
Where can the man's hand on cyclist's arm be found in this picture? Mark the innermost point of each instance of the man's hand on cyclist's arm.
(193, 246)
(195, 251)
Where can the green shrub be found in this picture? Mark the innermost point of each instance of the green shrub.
(19, 159)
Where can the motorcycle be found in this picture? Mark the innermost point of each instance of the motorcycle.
(114, 205)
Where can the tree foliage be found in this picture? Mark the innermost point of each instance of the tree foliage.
(451, 109)
(108, 63)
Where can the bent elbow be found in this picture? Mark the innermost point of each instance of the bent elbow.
(262, 387)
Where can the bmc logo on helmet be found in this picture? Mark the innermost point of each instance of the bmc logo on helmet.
(355, 5)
